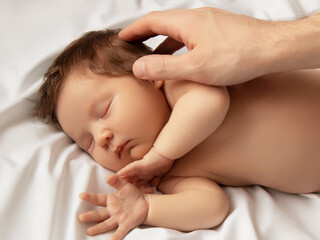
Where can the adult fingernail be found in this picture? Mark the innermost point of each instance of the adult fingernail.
(139, 68)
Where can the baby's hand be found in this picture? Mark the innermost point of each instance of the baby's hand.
(151, 167)
(125, 209)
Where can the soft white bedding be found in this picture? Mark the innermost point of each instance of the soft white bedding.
(42, 171)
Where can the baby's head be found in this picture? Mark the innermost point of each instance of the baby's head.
(89, 91)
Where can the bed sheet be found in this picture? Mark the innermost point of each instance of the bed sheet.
(42, 171)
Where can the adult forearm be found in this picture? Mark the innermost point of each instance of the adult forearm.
(293, 45)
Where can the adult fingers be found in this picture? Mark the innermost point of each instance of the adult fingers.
(163, 67)
(95, 199)
(155, 23)
(168, 46)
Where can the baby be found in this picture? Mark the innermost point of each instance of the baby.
(194, 137)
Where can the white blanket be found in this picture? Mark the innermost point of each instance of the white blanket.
(42, 171)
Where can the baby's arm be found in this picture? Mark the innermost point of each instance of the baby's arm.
(198, 111)
(189, 204)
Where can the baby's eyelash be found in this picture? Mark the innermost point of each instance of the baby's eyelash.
(106, 110)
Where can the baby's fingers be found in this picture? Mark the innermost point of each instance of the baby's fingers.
(144, 186)
(155, 181)
(102, 227)
(93, 198)
(120, 233)
(95, 215)
(116, 182)
(130, 170)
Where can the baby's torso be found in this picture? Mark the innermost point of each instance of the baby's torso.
(270, 136)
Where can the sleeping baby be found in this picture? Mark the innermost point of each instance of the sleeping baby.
(186, 138)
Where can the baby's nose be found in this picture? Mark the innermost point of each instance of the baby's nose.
(104, 137)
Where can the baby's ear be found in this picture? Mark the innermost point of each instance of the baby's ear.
(158, 83)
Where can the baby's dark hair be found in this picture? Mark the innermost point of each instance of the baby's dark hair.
(100, 51)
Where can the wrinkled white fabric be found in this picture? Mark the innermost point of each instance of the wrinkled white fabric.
(42, 171)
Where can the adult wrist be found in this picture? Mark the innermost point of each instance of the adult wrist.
(293, 45)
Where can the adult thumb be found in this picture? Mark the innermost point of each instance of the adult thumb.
(160, 67)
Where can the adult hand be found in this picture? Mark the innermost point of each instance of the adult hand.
(223, 48)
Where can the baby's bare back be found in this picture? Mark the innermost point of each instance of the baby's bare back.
(270, 136)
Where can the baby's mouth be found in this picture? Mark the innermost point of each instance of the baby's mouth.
(119, 150)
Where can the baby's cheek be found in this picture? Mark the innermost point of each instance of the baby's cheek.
(103, 161)
(111, 165)
(138, 152)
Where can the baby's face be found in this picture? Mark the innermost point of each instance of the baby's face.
(115, 119)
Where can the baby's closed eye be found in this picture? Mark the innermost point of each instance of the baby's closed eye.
(103, 109)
